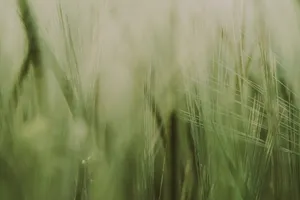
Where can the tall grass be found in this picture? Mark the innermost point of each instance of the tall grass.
(160, 100)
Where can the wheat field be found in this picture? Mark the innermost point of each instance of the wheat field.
(149, 100)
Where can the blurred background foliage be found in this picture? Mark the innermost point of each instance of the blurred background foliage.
(231, 138)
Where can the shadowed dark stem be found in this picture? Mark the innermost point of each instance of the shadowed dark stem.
(33, 55)
(173, 157)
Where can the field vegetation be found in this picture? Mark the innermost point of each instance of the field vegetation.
(149, 100)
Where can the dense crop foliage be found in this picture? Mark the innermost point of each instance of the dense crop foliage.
(149, 100)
